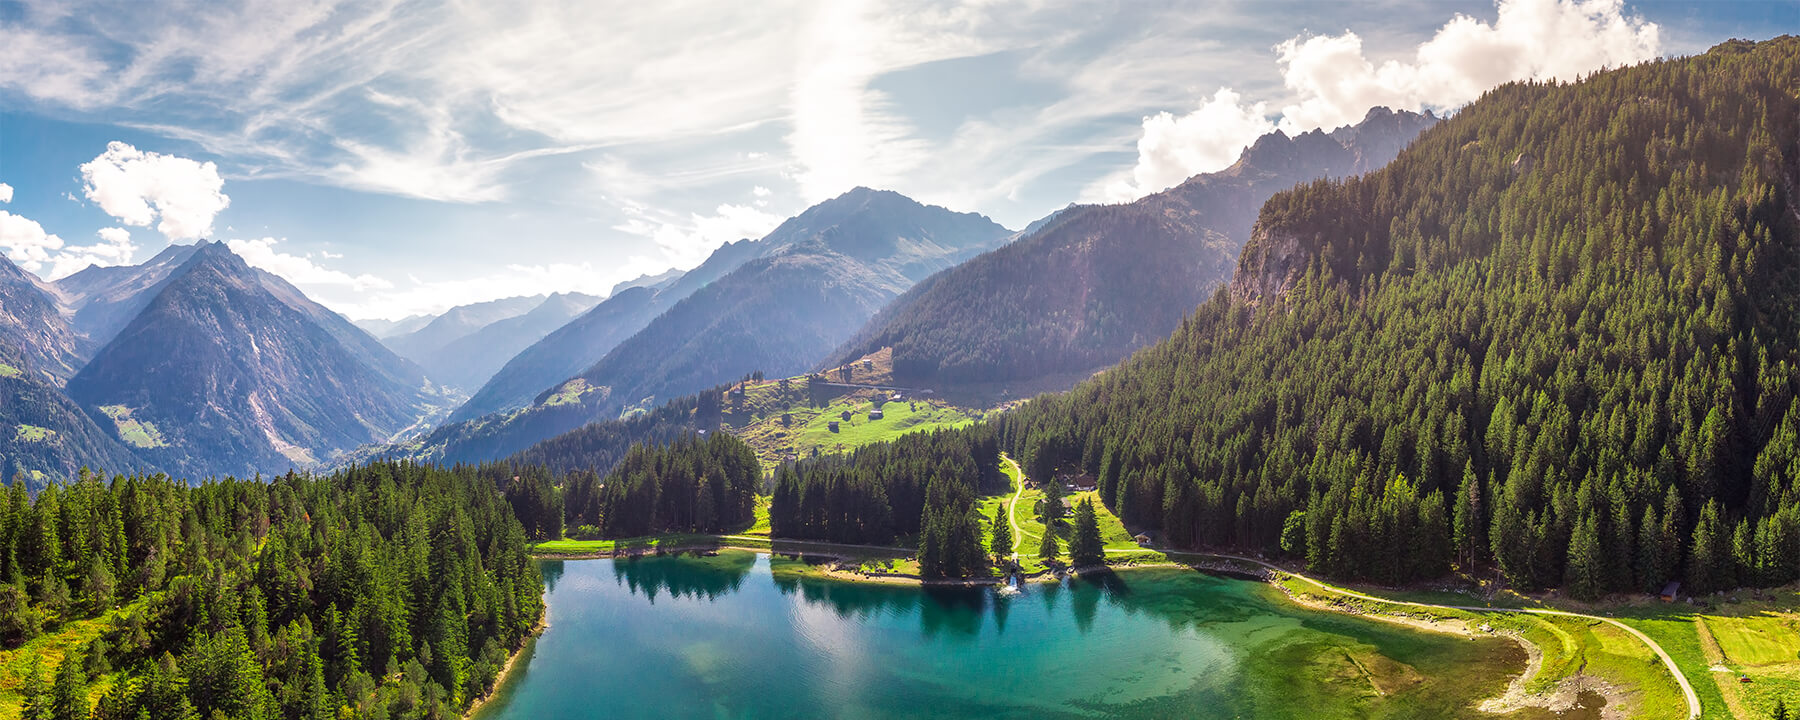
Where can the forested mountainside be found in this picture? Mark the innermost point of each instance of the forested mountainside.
(1094, 282)
(832, 266)
(1556, 334)
(230, 370)
(43, 434)
(392, 590)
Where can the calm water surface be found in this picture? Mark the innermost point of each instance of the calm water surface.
(745, 635)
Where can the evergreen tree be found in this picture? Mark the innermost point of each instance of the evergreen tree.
(1711, 552)
(68, 698)
(1586, 564)
(36, 703)
(1048, 547)
(1000, 533)
(1086, 548)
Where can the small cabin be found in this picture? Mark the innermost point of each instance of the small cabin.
(832, 426)
(1670, 590)
(875, 415)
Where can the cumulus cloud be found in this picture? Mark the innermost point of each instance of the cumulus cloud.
(1530, 39)
(1334, 83)
(1205, 140)
(115, 248)
(139, 188)
(25, 241)
(301, 270)
(5, 193)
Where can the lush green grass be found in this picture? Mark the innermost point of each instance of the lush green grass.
(8, 371)
(1763, 640)
(33, 433)
(581, 547)
(760, 524)
(1677, 637)
(570, 393)
(137, 433)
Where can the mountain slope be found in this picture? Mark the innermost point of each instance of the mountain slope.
(104, 299)
(1092, 283)
(239, 373)
(45, 435)
(470, 360)
(1558, 336)
(587, 339)
(33, 324)
(780, 303)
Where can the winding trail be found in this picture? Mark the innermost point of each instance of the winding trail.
(1013, 505)
(1693, 701)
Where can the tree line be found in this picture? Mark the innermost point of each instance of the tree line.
(390, 590)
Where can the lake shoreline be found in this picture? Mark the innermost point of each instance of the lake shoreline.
(512, 661)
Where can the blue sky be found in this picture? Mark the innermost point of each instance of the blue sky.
(393, 157)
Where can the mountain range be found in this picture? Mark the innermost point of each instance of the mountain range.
(1089, 284)
(772, 305)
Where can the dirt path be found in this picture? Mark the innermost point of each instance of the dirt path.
(1013, 506)
(1693, 701)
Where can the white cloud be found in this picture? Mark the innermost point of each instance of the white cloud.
(1334, 83)
(686, 242)
(6, 192)
(25, 241)
(1530, 39)
(300, 270)
(115, 248)
(139, 188)
(436, 296)
(1206, 140)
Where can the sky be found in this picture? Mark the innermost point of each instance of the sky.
(395, 157)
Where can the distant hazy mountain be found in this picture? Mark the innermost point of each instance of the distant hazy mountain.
(468, 361)
(383, 328)
(654, 282)
(776, 305)
(231, 370)
(456, 323)
(33, 325)
(1094, 283)
(574, 347)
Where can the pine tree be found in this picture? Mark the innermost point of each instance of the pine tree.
(36, 702)
(1710, 551)
(68, 698)
(1293, 534)
(1585, 573)
(1466, 534)
(1087, 548)
(1048, 547)
(1000, 535)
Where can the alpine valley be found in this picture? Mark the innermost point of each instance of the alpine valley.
(1476, 409)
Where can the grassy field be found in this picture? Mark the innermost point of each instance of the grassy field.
(33, 433)
(8, 371)
(137, 433)
(1719, 644)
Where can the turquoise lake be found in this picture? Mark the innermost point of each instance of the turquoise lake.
(748, 635)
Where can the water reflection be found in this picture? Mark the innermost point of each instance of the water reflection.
(696, 575)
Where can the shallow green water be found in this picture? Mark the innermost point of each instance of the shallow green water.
(743, 635)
